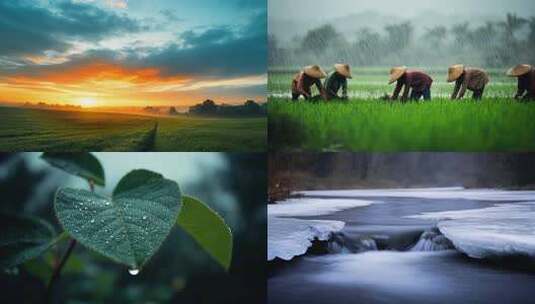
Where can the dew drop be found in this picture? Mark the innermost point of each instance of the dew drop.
(92, 221)
(144, 217)
(133, 271)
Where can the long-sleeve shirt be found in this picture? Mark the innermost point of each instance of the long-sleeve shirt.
(333, 83)
(302, 84)
(472, 79)
(415, 80)
(526, 86)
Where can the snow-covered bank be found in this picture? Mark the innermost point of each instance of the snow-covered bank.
(500, 230)
(289, 237)
(313, 206)
(428, 193)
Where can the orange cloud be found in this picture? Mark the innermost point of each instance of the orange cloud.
(111, 84)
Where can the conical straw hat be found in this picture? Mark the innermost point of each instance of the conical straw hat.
(314, 71)
(455, 71)
(396, 73)
(519, 70)
(343, 69)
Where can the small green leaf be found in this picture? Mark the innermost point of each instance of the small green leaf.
(22, 239)
(130, 226)
(84, 165)
(207, 228)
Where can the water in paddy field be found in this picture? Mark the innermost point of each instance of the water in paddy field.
(410, 261)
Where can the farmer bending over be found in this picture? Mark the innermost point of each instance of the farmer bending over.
(472, 79)
(336, 80)
(419, 83)
(526, 81)
(304, 80)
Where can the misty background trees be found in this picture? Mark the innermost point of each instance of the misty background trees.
(344, 170)
(499, 43)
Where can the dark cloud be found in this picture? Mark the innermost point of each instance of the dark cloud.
(240, 56)
(212, 53)
(217, 51)
(252, 91)
(27, 29)
(170, 15)
(248, 4)
(210, 36)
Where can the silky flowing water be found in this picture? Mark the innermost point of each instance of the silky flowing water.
(389, 271)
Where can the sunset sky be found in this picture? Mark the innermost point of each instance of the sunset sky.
(132, 53)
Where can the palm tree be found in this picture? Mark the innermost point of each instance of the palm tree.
(436, 34)
(399, 35)
(461, 33)
(531, 24)
(512, 24)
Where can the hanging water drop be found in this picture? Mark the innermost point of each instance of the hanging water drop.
(92, 221)
(134, 271)
(144, 217)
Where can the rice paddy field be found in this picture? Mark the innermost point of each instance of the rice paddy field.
(367, 123)
(25, 129)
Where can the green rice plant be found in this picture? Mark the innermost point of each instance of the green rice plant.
(492, 124)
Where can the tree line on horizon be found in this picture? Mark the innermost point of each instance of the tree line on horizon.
(210, 108)
(499, 43)
(344, 170)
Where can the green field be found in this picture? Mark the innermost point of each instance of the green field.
(25, 129)
(366, 123)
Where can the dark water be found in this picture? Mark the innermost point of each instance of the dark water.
(395, 274)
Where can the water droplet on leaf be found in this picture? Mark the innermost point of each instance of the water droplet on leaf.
(133, 271)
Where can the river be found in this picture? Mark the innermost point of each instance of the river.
(393, 273)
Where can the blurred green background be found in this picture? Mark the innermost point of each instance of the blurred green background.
(234, 184)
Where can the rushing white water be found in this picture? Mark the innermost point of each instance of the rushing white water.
(432, 240)
(399, 250)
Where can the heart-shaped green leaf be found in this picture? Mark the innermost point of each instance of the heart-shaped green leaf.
(207, 228)
(84, 165)
(128, 227)
(22, 239)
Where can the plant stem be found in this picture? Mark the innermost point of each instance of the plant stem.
(57, 270)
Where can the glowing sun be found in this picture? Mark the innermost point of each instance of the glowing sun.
(87, 102)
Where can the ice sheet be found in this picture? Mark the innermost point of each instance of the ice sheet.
(288, 237)
(429, 193)
(313, 206)
(500, 230)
